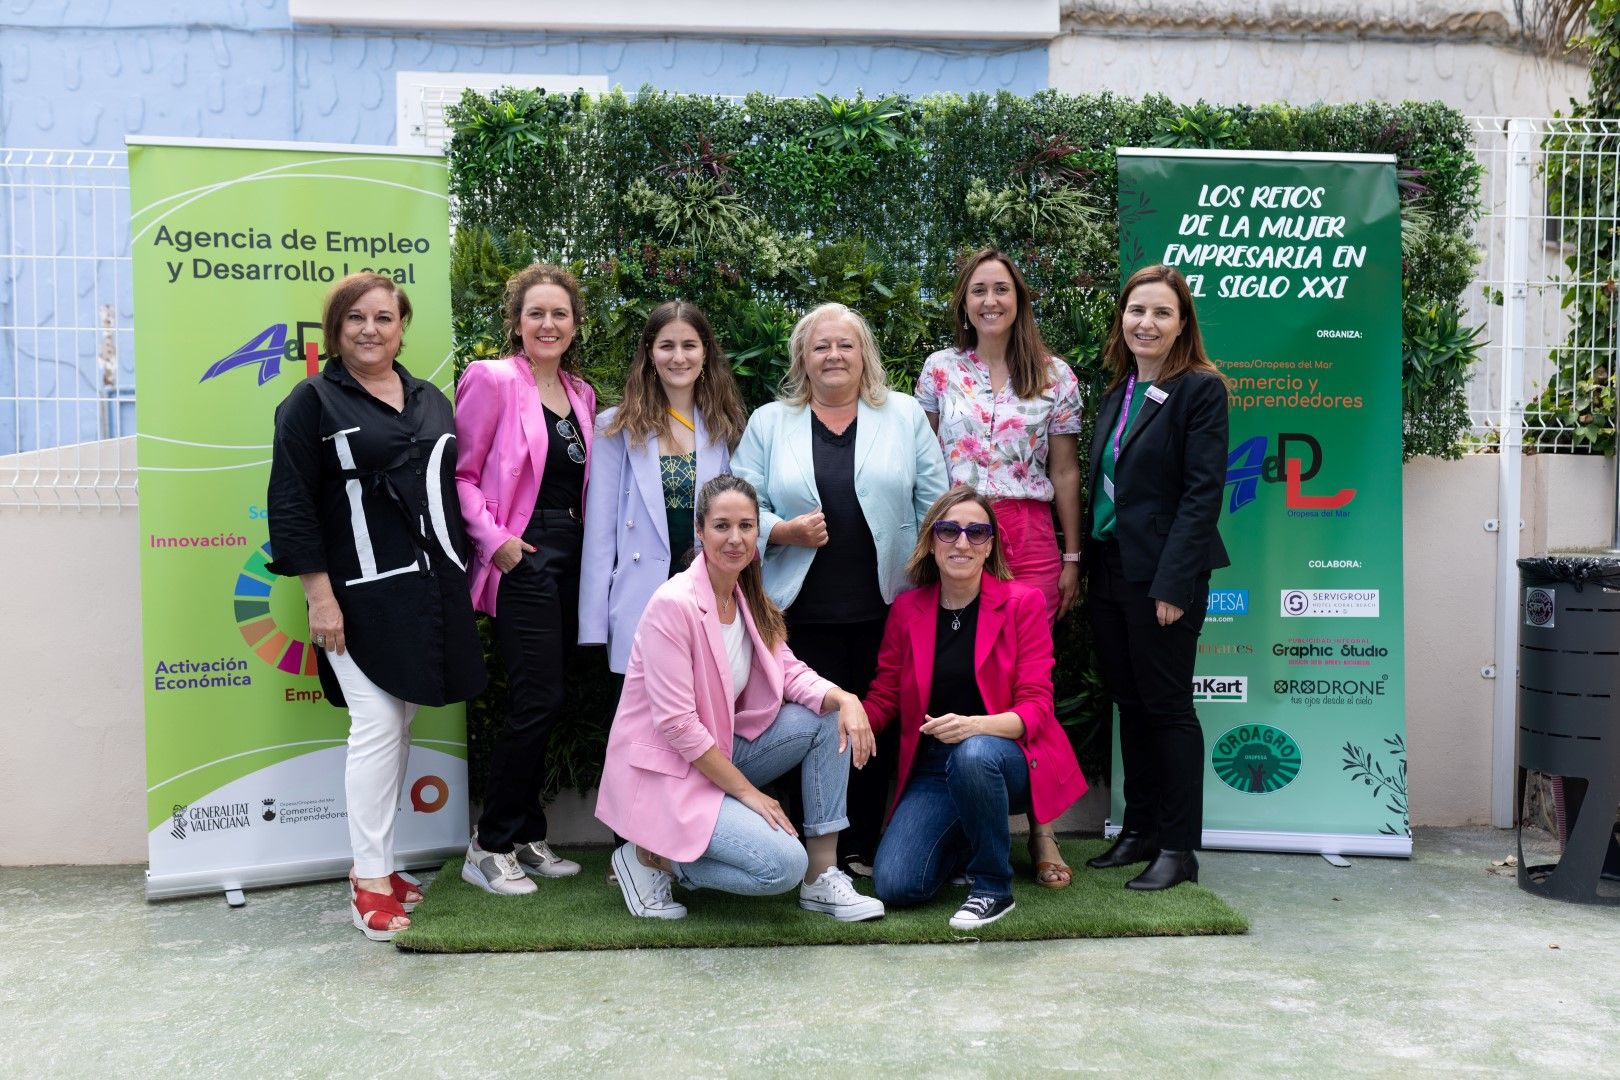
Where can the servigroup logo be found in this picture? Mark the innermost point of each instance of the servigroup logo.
(1248, 464)
(269, 348)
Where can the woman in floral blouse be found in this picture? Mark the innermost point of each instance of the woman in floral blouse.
(1008, 417)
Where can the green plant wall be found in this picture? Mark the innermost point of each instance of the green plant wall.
(759, 209)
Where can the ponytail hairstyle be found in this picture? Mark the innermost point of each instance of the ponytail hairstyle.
(767, 616)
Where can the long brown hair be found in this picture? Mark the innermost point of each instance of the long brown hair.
(767, 616)
(347, 293)
(923, 569)
(1027, 354)
(644, 412)
(517, 290)
(1186, 352)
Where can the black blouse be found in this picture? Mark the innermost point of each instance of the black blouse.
(368, 495)
(955, 688)
(842, 582)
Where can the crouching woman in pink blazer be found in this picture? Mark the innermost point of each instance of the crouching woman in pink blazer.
(714, 706)
(966, 667)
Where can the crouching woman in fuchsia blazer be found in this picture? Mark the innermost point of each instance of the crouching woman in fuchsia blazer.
(714, 706)
(966, 666)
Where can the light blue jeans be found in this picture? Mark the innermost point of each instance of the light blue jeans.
(745, 855)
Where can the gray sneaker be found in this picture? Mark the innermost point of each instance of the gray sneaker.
(537, 858)
(495, 872)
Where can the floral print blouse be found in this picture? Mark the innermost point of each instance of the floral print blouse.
(997, 443)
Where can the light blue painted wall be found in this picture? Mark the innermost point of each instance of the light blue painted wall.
(77, 74)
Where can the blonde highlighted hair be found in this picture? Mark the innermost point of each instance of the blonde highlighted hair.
(796, 383)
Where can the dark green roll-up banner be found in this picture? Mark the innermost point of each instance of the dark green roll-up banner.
(1295, 263)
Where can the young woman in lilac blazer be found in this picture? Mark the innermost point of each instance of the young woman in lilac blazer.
(523, 430)
(714, 706)
(674, 432)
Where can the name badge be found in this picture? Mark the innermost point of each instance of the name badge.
(1155, 394)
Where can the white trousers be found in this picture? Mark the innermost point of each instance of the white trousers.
(374, 773)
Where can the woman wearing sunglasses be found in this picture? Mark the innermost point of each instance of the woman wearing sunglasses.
(966, 667)
(523, 425)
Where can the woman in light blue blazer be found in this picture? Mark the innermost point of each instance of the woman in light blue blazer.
(846, 470)
(681, 416)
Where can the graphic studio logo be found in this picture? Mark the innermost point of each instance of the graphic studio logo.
(1213, 688)
(269, 810)
(1248, 465)
(1539, 607)
(268, 349)
(1256, 759)
(178, 828)
(425, 803)
(1330, 603)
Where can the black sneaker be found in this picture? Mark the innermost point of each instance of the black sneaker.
(977, 911)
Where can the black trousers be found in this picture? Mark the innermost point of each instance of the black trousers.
(536, 625)
(1148, 670)
(846, 654)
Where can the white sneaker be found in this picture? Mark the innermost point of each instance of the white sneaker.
(834, 894)
(646, 891)
(495, 872)
(537, 858)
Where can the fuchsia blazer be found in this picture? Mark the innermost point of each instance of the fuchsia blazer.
(501, 442)
(1013, 655)
(678, 702)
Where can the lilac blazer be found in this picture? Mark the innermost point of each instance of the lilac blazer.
(501, 442)
(627, 543)
(678, 702)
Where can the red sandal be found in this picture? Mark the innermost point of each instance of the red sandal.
(373, 912)
(402, 887)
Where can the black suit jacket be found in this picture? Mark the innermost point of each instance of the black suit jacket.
(1167, 486)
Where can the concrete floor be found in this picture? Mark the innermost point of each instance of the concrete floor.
(1437, 964)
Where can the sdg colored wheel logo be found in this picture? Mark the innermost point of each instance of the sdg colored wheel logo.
(1256, 759)
(270, 642)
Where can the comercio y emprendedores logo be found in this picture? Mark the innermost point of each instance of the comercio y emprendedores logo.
(1256, 759)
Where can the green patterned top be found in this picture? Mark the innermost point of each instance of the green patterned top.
(679, 473)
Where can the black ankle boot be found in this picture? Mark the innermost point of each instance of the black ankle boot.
(1170, 868)
(1128, 848)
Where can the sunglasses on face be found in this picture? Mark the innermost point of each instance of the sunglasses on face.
(978, 533)
(576, 449)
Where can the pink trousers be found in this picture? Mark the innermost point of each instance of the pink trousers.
(1029, 541)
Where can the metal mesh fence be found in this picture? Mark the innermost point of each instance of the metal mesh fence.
(67, 379)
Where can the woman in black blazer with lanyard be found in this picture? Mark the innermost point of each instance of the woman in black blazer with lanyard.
(1158, 465)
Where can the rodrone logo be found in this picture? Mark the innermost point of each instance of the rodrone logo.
(1248, 464)
(269, 348)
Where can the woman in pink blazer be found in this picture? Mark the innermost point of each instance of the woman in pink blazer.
(523, 431)
(966, 667)
(714, 706)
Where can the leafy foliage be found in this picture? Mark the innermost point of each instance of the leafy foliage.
(1387, 784)
(758, 209)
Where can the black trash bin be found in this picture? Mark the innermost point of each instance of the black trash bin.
(1569, 717)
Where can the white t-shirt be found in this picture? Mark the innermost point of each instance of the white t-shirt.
(740, 651)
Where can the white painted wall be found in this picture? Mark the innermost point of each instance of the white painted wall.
(74, 742)
(1305, 51)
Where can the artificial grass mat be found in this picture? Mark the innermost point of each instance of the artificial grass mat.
(584, 912)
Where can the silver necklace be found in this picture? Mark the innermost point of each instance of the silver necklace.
(956, 613)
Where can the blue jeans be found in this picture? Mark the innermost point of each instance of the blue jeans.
(745, 855)
(954, 812)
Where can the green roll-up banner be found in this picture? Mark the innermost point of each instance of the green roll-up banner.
(233, 248)
(1295, 260)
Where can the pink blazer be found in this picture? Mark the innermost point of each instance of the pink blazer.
(678, 702)
(501, 442)
(1013, 658)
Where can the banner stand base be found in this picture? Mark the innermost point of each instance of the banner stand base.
(1301, 843)
(233, 881)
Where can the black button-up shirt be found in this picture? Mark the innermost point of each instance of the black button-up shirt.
(368, 495)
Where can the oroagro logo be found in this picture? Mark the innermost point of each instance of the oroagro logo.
(1256, 759)
(267, 349)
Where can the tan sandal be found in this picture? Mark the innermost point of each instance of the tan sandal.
(1049, 874)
